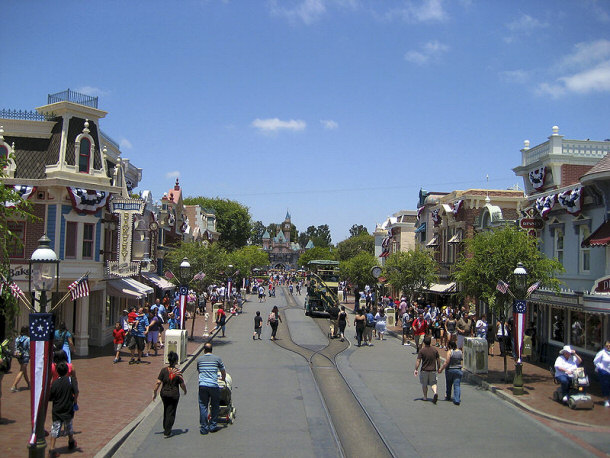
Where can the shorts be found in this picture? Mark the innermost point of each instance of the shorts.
(23, 359)
(258, 331)
(368, 333)
(137, 341)
(427, 378)
(117, 347)
(56, 428)
(152, 336)
(405, 331)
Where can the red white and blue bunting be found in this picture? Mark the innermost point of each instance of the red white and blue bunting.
(537, 177)
(457, 206)
(571, 200)
(87, 201)
(436, 217)
(25, 192)
(544, 205)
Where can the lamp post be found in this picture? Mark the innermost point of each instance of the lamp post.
(43, 277)
(519, 309)
(183, 290)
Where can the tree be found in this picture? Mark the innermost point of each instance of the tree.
(357, 229)
(212, 260)
(232, 220)
(316, 253)
(247, 258)
(319, 235)
(350, 247)
(357, 269)
(303, 239)
(493, 255)
(410, 272)
(258, 230)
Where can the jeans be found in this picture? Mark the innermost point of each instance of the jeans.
(453, 378)
(211, 395)
(604, 380)
(565, 381)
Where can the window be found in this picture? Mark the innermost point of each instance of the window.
(88, 241)
(3, 154)
(557, 324)
(586, 330)
(16, 244)
(84, 155)
(559, 245)
(577, 329)
(585, 252)
(71, 237)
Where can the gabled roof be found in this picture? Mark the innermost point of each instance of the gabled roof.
(601, 168)
(309, 245)
(266, 235)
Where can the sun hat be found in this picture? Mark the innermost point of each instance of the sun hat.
(566, 348)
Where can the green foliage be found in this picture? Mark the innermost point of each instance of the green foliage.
(357, 229)
(357, 269)
(209, 259)
(350, 247)
(319, 235)
(493, 255)
(411, 271)
(247, 258)
(232, 220)
(258, 230)
(316, 253)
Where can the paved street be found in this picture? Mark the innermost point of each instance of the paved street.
(279, 412)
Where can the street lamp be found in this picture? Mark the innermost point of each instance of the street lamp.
(43, 277)
(519, 309)
(183, 290)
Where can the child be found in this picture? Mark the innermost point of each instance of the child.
(62, 396)
(172, 322)
(118, 335)
(258, 325)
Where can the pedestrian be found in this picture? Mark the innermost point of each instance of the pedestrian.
(208, 366)
(273, 320)
(261, 293)
(450, 326)
(502, 336)
(342, 322)
(64, 341)
(22, 353)
(420, 327)
(62, 394)
(481, 327)
(464, 328)
(565, 368)
(138, 340)
(602, 367)
(429, 359)
(152, 336)
(258, 325)
(360, 325)
(221, 319)
(491, 337)
(380, 323)
(118, 338)
(172, 322)
(406, 326)
(370, 325)
(169, 379)
(453, 372)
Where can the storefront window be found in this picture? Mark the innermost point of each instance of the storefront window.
(577, 329)
(112, 306)
(557, 324)
(593, 332)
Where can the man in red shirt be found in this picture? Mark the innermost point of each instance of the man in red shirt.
(420, 327)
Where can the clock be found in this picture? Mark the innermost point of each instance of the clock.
(376, 271)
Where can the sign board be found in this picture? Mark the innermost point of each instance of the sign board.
(531, 223)
(128, 269)
(126, 209)
(602, 285)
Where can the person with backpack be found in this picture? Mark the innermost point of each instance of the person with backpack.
(274, 320)
(63, 340)
(370, 325)
(22, 353)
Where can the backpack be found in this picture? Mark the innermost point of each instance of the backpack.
(370, 320)
(5, 356)
(58, 344)
(272, 318)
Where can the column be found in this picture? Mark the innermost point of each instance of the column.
(81, 332)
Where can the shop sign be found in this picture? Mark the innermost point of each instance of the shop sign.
(129, 269)
(126, 209)
(555, 299)
(531, 223)
(19, 272)
(602, 286)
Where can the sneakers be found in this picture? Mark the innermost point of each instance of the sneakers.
(405, 344)
(71, 444)
(565, 399)
(203, 432)
(14, 389)
(167, 436)
(115, 361)
(132, 361)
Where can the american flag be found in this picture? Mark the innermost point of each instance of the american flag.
(15, 290)
(519, 310)
(42, 329)
(169, 275)
(79, 288)
(502, 286)
(199, 276)
(533, 288)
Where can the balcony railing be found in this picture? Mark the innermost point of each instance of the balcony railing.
(74, 97)
(27, 115)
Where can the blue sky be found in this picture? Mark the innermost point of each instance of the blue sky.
(336, 110)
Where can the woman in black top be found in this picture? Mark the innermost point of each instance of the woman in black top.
(170, 378)
(360, 323)
(342, 322)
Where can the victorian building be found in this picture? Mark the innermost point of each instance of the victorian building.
(397, 233)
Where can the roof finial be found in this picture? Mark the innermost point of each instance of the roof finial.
(177, 186)
(86, 128)
(2, 133)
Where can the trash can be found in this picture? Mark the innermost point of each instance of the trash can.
(390, 319)
(475, 355)
(175, 340)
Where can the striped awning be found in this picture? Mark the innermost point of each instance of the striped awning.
(127, 287)
(601, 236)
(159, 282)
(420, 228)
(432, 243)
(442, 288)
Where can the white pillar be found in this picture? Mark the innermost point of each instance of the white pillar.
(81, 332)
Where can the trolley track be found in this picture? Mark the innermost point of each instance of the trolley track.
(353, 428)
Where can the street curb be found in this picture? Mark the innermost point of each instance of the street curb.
(115, 443)
(473, 378)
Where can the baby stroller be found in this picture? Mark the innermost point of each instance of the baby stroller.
(577, 396)
(226, 412)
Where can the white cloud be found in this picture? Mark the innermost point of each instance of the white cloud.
(329, 124)
(92, 91)
(124, 143)
(174, 174)
(307, 11)
(420, 11)
(525, 25)
(590, 66)
(514, 76)
(427, 52)
(274, 125)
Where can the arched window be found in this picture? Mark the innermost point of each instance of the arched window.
(3, 154)
(84, 155)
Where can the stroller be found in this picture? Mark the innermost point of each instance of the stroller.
(577, 396)
(226, 412)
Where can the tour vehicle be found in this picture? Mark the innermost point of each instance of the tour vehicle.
(323, 286)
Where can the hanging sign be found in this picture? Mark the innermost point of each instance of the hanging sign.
(126, 209)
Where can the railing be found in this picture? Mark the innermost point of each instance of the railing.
(537, 152)
(26, 115)
(74, 97)
(581, 148)
(110, 140)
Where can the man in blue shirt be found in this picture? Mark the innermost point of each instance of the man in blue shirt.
(139, 336)
(208, 366)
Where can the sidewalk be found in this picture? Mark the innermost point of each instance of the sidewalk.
(538, 387)
(111, 397)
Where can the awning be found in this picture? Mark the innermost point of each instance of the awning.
(433, 242)
(457, 238)
(127, 287)
(440, 288)
(601, 236)
(420, 228)
(159, 282)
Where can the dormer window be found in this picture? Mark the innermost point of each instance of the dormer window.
(84, 155)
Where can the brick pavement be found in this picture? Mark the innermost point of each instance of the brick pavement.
(111, 396)
(538, 386)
